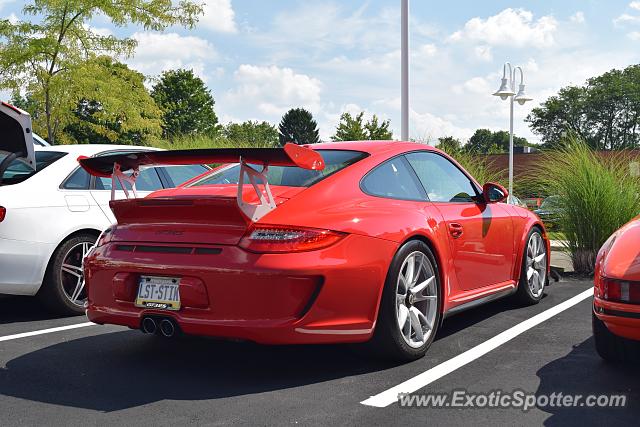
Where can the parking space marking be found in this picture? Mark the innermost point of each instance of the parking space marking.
(46, 331)
(390, 396)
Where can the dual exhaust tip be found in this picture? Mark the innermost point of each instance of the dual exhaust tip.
(165, 327)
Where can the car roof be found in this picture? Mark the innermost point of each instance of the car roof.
(371, 147)
(91, 149)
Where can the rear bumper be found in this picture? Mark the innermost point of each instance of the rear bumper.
(331, 295)
(22, 266)
(621, 319)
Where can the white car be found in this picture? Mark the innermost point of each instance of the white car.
(51, 216)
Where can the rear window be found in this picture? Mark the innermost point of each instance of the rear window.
(289, 176)
(19, 172)
(180, 174)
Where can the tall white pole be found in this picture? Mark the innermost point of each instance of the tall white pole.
(404, 47)
(511, 145)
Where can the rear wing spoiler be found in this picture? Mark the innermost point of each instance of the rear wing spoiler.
(114, 166)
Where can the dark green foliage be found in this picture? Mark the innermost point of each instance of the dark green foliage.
(604, 113)
(353, 128)
(186, 104)
(298, 126)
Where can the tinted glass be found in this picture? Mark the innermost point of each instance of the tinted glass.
(291, 176)
(441, 179)
(392, 179)
(79, 180)
(18, 171)
(148, 180)
(180, 174)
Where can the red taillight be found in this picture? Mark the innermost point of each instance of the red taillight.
(620, 290)
(278, 238)
(3, 213)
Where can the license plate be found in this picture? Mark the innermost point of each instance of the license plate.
(159, 293)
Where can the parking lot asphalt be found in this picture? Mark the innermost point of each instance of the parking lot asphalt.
(105, 375)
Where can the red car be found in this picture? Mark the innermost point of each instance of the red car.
(616, 305)
(338, 242)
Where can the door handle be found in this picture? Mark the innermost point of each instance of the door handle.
(455, 229)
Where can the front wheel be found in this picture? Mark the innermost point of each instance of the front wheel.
(409, 310)
(533, 273)
(63, 288)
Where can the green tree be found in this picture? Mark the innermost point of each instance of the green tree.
(378, 131)
(41, 54)
(298, 126)
(251, 134)
(353, 128)
(113, 107)
(186, 104)
(450, 145)
(484, 141)
(604, 113)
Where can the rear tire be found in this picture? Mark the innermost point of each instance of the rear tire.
(62, 290)
(411, 296)
(609, 346)
(534, 276)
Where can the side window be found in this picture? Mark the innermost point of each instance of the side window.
(79, 180)
(148, 180)
(180, 174)
(441, 179)
(393, 179)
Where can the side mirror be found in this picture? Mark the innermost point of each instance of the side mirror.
(494, 193)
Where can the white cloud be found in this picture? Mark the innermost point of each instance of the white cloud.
(158, 52)
(13, 18)
(104, 32)
(625, 18)
(634, 35)
(577, 17)
(477, 85)
(428, 127)
(511, 27)
(218, 16)
(483, 52)
(635, 5)
(273, 90)
(427, 50)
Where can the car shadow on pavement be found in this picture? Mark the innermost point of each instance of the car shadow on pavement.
(120, 370)
(23, 309)
(582, 372)
(463, 320)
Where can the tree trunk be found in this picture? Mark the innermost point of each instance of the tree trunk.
(47, 111)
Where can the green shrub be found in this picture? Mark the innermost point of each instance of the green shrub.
(597, 195)
(199, 141)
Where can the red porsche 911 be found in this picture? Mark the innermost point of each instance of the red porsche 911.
(330, 243)
(616, 304)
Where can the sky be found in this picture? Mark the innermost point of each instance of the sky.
(259, 58)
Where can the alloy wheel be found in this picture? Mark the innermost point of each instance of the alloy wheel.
(71, 274)
(416, 299)
(536, 266)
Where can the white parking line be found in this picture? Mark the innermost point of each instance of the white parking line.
(46, 331)
(390, 396)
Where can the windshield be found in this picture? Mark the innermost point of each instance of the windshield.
(19, 172)
(290, 176)
(550, 202)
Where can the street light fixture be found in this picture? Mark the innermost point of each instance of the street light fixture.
(507, 90)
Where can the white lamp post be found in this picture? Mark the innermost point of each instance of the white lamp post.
(404, 61)
(507, 90)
